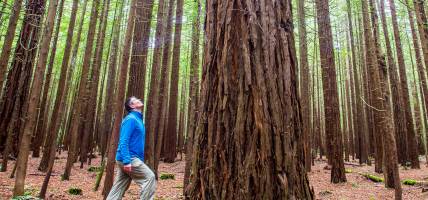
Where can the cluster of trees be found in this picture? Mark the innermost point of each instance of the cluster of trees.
(251, 117)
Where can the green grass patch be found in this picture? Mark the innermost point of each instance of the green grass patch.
(94, 169)
(167, 176)
(25, 197)
(409, 182)
(75, 191)
(348, 171)
(373, 178)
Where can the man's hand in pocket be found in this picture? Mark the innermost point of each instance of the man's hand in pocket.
(127, 168)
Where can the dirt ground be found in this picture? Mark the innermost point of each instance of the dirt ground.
(357, 186)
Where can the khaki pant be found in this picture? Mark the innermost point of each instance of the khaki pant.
(141, 174)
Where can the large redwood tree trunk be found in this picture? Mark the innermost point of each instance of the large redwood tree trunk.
(249, 131)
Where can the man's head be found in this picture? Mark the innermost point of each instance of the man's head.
(133, 103)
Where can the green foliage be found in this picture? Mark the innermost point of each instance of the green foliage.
(94, 169)
(348, 171)
(409, 182)
(167, 176)
(25, 197)
(28, 191)
(373, 178)
(75, 191)
(354, 185)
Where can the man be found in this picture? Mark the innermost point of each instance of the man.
(130, 155)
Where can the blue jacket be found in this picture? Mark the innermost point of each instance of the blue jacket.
(132, 138)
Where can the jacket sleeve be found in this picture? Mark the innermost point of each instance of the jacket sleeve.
(126, 130)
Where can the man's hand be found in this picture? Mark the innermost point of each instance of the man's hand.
(127, 168)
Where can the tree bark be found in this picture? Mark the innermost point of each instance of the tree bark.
(43, 116)
(93, 84)
(304, 85)
(13, 102)
(397, 101)
(247, 136)
(153, 103)
(8, 40)
(331, 96)
(162, 120)
(411, 136)
(118, 110)
(365, 98)
(137, 73)
(65, 84)
(33, 101)
(193, 94)
(171, 140)
(373, 61)
(111, 80)
(110, 117)
(82, 95)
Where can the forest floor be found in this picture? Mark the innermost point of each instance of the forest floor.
(357, 187)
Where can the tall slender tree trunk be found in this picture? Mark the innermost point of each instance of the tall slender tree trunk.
(192, 114)
(304, 85)
(82, 93)
(153, 103)
(40, 130)
(8, 40)
(373, 62)
(162, 120)
(111, 79)
(390, 162)
(13, 101)
(110, 105)
(365, 99)
(118, 110)
(331, 96)
(421, 20)
(419, 62)
(246, 141)
(94, 83)
(411, 136)
(397, 101)
(65, 83)
(171, 140)
(33, 101)
(390, 158)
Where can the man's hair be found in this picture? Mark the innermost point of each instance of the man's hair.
(128, 104)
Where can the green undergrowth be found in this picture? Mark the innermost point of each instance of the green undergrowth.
(373, 178)
(25, 197)
(409, 182)
(94, 169)
(75, 191)
(167, 176)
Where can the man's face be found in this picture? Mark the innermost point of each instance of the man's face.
(136, 104)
